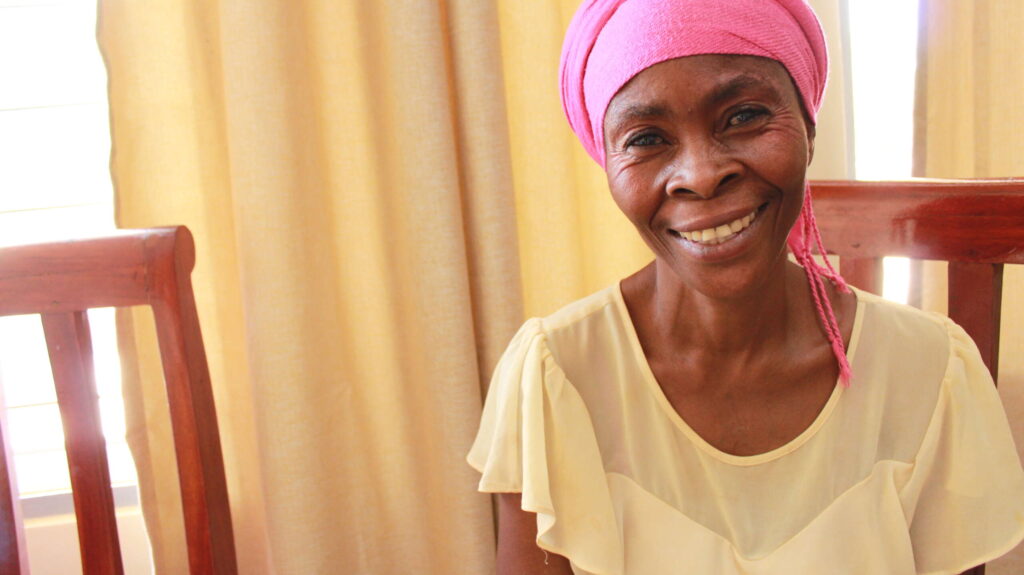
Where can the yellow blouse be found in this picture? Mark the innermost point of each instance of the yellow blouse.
(912, 469)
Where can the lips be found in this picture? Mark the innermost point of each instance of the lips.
(718, 234)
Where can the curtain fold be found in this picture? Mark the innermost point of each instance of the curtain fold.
(967, 125)
(344, 169)
(380, 193)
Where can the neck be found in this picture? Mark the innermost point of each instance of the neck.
(747, 323)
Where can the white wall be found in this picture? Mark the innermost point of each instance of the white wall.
(53, 544)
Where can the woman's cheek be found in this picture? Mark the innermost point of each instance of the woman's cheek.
(629, 191)
(782, 158)
(633, 204)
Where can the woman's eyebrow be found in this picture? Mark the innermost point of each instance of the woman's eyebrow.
(729, 90)
(737, 86)
(634, 112)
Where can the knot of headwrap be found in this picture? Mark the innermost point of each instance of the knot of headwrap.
(611, 41)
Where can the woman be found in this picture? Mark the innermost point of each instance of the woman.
(725, 410)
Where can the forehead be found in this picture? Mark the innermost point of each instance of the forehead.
(703, 77)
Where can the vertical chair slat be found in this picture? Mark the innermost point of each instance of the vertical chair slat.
(13, 555)
(193, 419)
(975, 298)
(200, 466)
(70, 349)
(127, 268)
(865, 273)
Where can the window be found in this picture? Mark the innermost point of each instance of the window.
(54, 182)
(883, 62)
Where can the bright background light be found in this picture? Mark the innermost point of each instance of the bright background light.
(883, 67)
(54, 183)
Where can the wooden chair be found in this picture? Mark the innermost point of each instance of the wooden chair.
(975, 225)
(60, 281)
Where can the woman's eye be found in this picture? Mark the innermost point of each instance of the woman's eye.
(644, 140)
(745, 116)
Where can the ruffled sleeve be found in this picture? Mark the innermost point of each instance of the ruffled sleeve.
(964, 499)
(536, 438)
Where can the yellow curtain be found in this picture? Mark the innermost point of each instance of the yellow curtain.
(969, 115)
(380, 192)
(344, 167)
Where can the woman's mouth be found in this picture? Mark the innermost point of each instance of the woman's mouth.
(720, 233)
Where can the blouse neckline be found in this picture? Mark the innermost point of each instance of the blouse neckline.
(738, 460)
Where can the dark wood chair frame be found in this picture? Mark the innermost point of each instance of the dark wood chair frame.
(60, 281)
(975, 225)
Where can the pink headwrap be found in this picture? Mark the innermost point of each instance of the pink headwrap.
(611, 41)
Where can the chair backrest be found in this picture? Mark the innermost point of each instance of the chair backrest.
(975, 225)
(60, 281)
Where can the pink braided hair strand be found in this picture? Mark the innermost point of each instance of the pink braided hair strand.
(804, 235)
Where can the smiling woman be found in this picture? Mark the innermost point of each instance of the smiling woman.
(725, 410)
(728, 147)
(722, 128)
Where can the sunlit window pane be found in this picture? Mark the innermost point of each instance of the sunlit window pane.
(42, 472)
(105, 356)
(23, 358)
(122, 466)
(35, 428)
(33, 419)
(54, 224)
(55, 184)
(55, 156)
(883, 73)
(896, 272)
(51, 51)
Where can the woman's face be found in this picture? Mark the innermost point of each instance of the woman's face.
(707, 155)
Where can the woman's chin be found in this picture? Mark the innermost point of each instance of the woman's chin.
(730, 279)
(738, 264)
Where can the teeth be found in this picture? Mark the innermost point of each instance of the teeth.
(719, 234)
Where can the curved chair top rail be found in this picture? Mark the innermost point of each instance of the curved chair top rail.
(975, 225)
(150, 267)
(122, 269)
(976, 221)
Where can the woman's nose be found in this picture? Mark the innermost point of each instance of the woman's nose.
(701, 169)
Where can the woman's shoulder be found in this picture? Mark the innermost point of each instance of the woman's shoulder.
(906, 361)
(902, 328)
(590, 333)
(585, 344)
(580, 311)
(575, 326)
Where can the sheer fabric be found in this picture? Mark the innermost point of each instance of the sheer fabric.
(910, 470)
